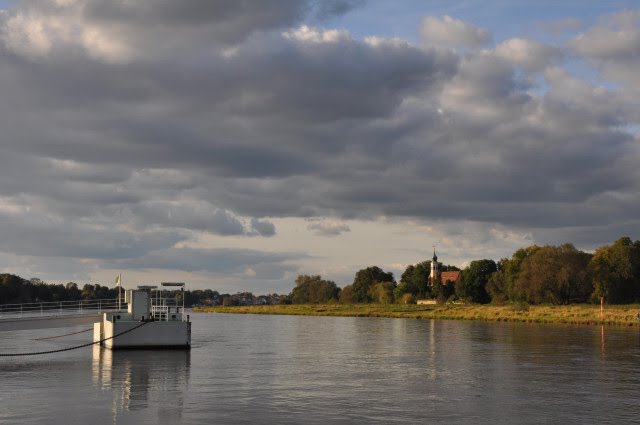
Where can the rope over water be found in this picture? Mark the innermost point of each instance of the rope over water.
(71, 348)
(60, 336)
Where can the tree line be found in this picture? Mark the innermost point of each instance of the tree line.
(535, 275)
(17, 290)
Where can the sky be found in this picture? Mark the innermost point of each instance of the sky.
(234, 145)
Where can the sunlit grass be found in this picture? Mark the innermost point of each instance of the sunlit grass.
(573, 314)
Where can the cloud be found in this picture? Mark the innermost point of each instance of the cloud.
(130, 130)
(266, 265)
(120, 32)
(328, 227)
(529, 54)
(55, 269)
(262, 227)
(450, 32)
(197, 215)
(35, 233)
(613, 46)
(616, 38)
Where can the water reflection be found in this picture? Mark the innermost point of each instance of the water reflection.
(291, 370)
(139, 378)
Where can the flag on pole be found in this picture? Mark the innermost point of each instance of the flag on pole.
(119, 288)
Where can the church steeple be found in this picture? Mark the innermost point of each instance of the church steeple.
(434, 267)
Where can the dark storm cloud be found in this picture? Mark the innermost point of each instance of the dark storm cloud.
(190, 215)
(230, 20)
(162, 121)
(117, 30)
(262, 228)
(38, 234)
(231, 261)
(197, 215)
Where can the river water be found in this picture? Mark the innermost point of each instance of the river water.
(249, 369)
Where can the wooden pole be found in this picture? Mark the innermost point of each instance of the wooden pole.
(601, 308)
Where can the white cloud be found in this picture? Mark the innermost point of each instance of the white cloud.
(39, 34)
(104, 44)
(315, 35)
(328, 227)
(528, 54)
(613, 46)
(27, 34)
(446, 31)
(617, 37)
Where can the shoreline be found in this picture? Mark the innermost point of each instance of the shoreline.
(575, 314)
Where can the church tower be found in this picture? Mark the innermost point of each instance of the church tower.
(434, 268)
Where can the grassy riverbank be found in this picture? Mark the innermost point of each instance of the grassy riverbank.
(574, 314)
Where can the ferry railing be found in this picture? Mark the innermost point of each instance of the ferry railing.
(164, 308)
(48, 308)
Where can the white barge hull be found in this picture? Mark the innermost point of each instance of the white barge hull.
(165, 334)
(151, 321)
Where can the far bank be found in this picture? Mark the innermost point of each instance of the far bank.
(583, 314)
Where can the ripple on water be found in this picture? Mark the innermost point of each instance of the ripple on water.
(319, 370)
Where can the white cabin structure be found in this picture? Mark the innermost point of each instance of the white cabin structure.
(151, 321)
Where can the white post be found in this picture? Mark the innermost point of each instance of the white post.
(119, 288)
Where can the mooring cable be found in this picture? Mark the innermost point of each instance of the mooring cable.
(60, 336)
(71, 348)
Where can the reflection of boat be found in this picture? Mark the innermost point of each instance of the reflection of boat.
(151, 321)
(137, 376)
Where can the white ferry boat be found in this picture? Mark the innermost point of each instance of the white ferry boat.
(151, 321)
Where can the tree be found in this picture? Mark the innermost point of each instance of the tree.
(88, 292)
(284, 300)
(313, 290)
(500, 286)
(472, 286)
(346, 295)
(404, 288)
(228, 301)
(441, 291)
(555, 274)
(382, 292)
(13, 289)
(407, 299)
(365, 278)
(616, 271)
(415, 281)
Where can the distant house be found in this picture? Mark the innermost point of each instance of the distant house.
(450, 278)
